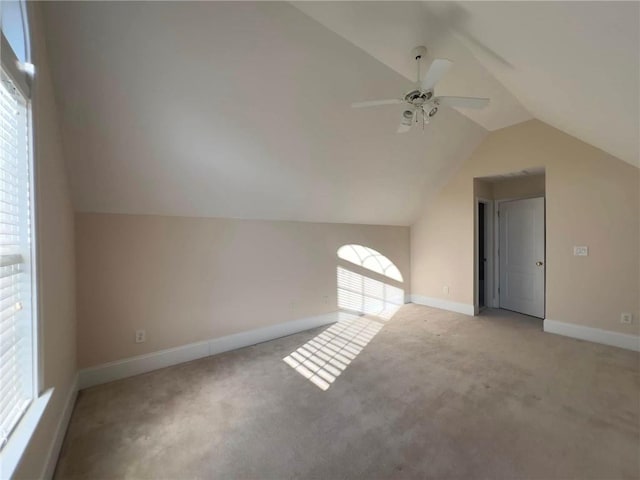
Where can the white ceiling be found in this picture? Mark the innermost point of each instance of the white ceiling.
(573, 65)
(237, 110)
(242, 109)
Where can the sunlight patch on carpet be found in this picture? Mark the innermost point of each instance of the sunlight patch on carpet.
(322, 359)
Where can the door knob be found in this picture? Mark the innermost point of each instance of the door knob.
(539, 264)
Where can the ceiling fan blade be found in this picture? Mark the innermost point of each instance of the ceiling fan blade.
(376, 103)
(436, 71)
(463, 102)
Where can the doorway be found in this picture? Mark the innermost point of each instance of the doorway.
(483, 267)
(482, 255)
(509, 244)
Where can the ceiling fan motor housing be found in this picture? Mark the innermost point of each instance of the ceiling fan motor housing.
(418, 97)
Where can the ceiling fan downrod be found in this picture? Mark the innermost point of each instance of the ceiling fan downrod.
(418, 53)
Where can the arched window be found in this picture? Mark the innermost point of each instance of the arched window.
(15, 49)
(370, 294)
(14, 28)
(370, 259)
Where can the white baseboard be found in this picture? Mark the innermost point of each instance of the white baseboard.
(61, 430)
(590, 334)
(129, 367)
(464, 308)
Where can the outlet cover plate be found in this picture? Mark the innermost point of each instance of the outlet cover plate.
(582, 251)
(141, 336)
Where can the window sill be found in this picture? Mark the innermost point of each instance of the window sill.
(19, 440)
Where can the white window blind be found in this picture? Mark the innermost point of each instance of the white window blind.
(16, 319)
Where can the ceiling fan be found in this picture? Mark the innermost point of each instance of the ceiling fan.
(421, 104)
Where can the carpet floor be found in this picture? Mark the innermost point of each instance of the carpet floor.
(430, 394)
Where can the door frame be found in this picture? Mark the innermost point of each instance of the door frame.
(496, 258)
(490, 290)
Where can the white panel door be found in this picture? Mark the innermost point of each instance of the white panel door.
(521, 253)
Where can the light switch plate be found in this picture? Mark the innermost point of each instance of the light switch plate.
(581, 251)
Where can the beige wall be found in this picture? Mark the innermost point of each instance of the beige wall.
(56, 260)
(509, 188)
(591, 199)
(520, 187)
(186, 279)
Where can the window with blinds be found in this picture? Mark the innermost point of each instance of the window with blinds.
(16, 304)
(380, 295)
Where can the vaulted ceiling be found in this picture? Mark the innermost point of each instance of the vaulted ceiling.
(574, 65)
(236, 110)
(242, 109)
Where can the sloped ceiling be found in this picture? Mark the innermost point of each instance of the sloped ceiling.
(237, 110)
(574, 65)
(241, 109)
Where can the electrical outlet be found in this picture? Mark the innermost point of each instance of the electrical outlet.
(325, 299)
(581, 251)
(141, 336)
(626, 317)
(445, 290)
